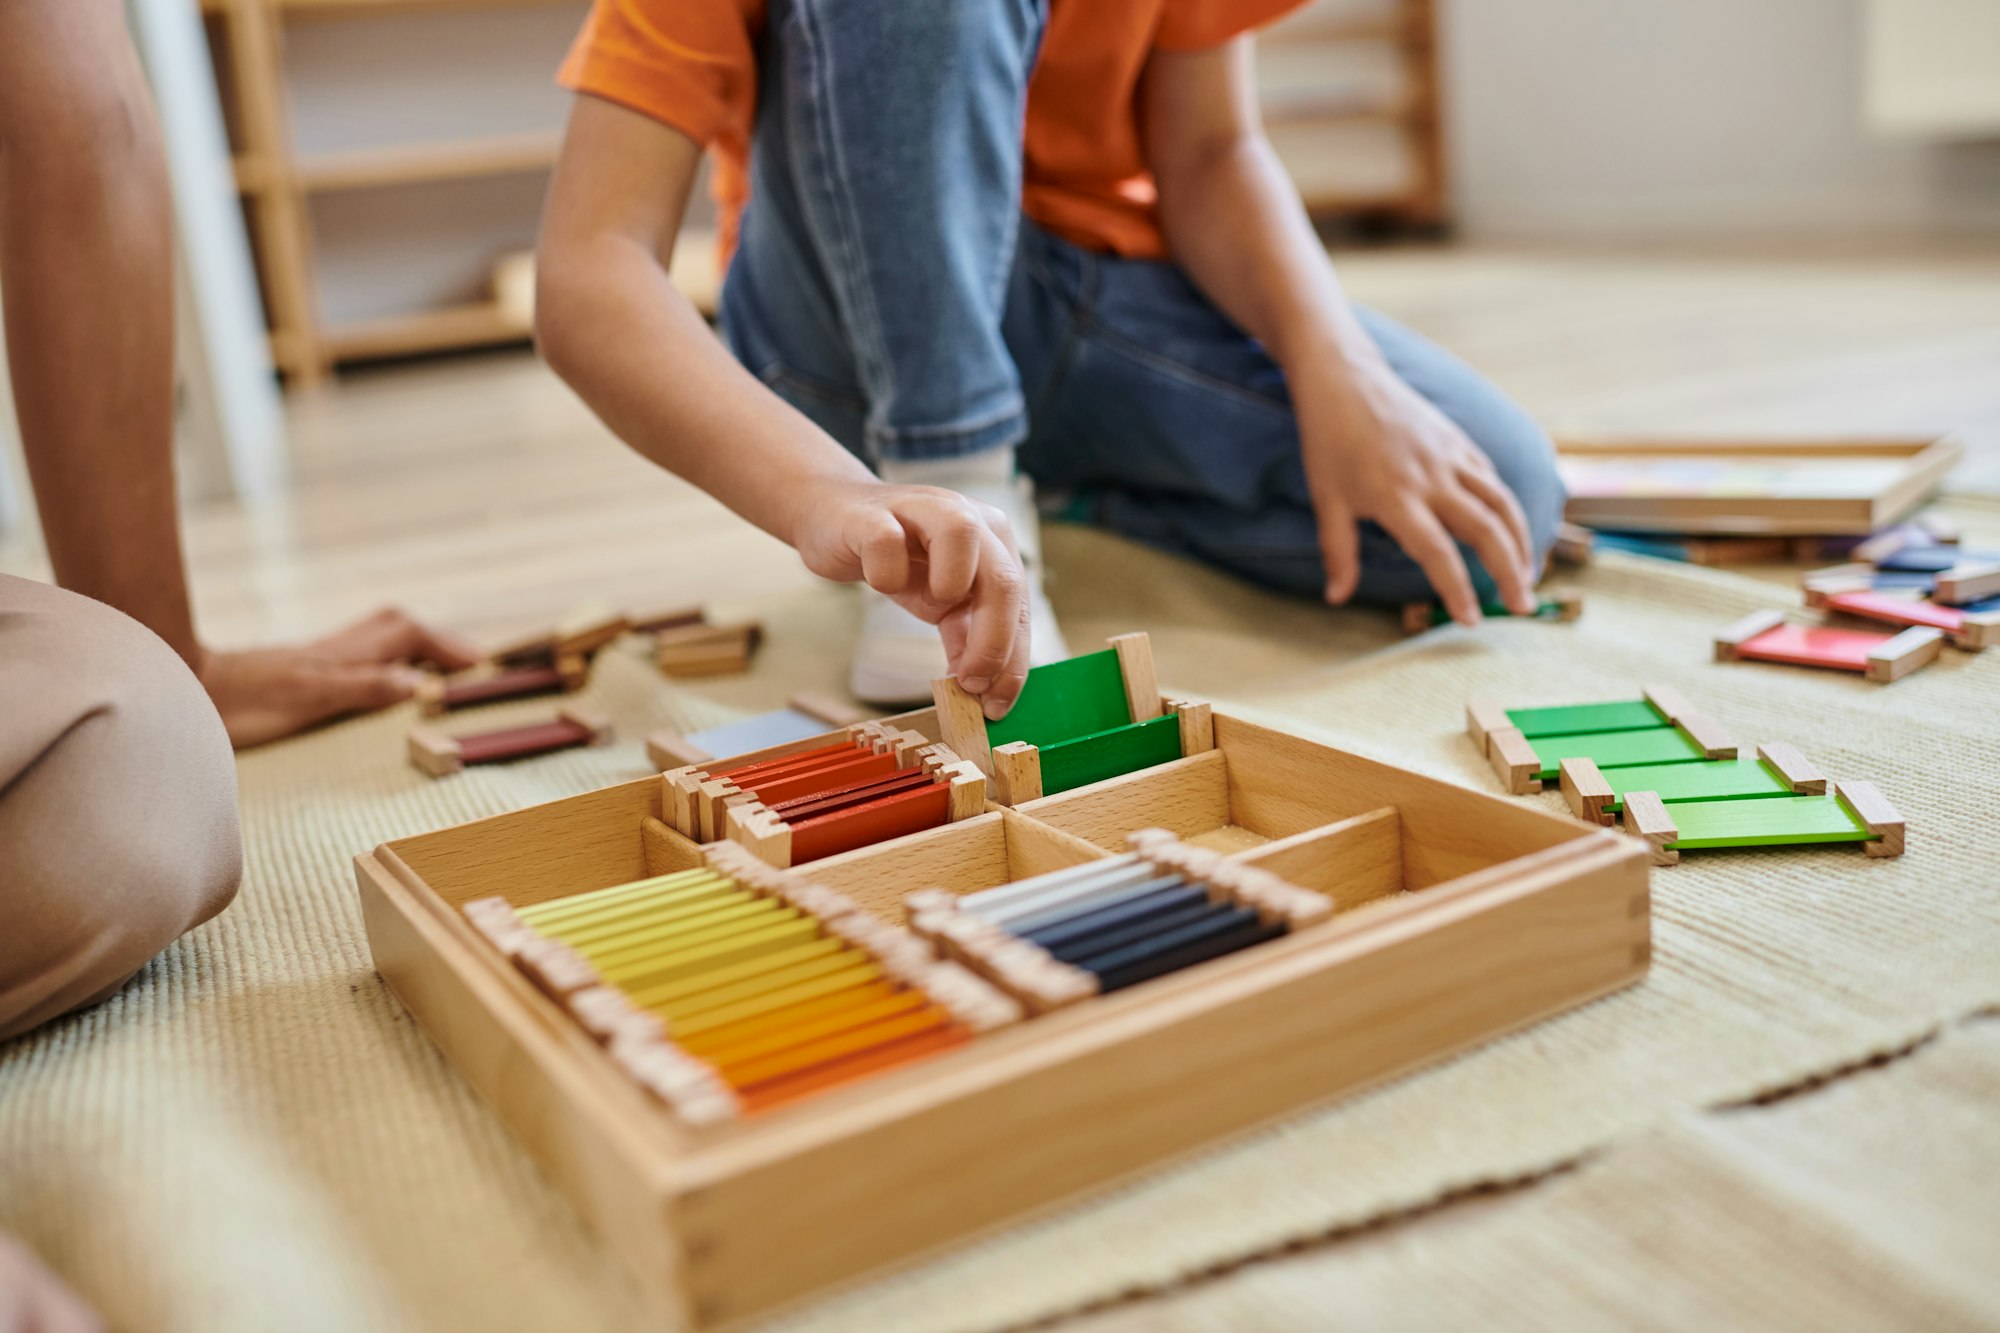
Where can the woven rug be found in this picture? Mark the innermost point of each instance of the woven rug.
(254, 1135)
(1863, 1204)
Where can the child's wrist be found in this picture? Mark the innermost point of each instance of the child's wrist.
(815, 495)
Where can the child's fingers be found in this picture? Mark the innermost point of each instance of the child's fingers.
(950, 533)
(994, 657)
(1485, 483)
(1013, 678)
(1340, 549)
(1417, 530)
(1479, 527)
(883, 549)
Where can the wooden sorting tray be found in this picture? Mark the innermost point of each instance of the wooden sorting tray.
(1463, 915)
(1750, 487)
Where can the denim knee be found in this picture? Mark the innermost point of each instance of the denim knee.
(1525, 457)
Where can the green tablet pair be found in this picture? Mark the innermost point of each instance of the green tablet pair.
(1675, 779)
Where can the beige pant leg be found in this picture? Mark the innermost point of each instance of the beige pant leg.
(117, 802)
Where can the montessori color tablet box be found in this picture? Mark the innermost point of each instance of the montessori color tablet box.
(868, 1009)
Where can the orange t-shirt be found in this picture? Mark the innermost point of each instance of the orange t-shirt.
(692, 64)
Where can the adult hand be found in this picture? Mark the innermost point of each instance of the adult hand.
(948, 560)
(265, 694)
(34, 1300)
(1376, 449)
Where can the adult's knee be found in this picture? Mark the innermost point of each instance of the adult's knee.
(118, 828)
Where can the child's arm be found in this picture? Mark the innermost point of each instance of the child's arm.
(1373, 447)
(614, 327)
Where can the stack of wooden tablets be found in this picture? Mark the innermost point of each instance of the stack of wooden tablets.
(877, 782)
(553, 661)
(558, 661)
(1087, 930)
(1933, 595)
(730, 991)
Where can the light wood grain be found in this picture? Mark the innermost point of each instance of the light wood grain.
(1970, 582)
(1227, 839)
(961, 723)
(1188, 796)
(1135, 667)
(433, 752)
(1926, 461)
(1585, 789)
(1739, 632)
(542, 852)
(1034, 848)
(277, 211)
(1914, 648)
(472, 324)
(1281, 785)
(1646, 817)
(667, 850)
(1197, 726)
(1670, 702)
(1708, 737)
(1354, 862)
(960, 857)
(1799, 773)
(403, 164)
(1017, 773)
(1514, 761)
(1483, 717)
(1872, 808)
(979, 853)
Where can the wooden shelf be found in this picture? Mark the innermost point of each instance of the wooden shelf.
(333, 8)
(1324, 109)
(367, 168)
(1298, 100)
(482, 324)
(404, 164)
(1391, 27)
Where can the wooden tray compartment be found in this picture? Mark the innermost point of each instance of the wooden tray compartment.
(1270, 800)
(1507, 915)
(996, 848)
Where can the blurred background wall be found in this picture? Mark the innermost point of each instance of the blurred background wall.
(1607, 119)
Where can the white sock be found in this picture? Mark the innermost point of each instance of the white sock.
(985, 469)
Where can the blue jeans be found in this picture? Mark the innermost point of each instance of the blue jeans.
(888, 287)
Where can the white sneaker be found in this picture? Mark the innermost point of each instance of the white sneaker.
(898, 655)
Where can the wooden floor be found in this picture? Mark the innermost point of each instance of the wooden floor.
(479, 492)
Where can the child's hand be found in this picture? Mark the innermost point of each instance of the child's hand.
(948, 560)
(1374, 448)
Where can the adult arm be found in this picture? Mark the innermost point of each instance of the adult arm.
(613, 326)
(1373, 447)
(87, 270)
